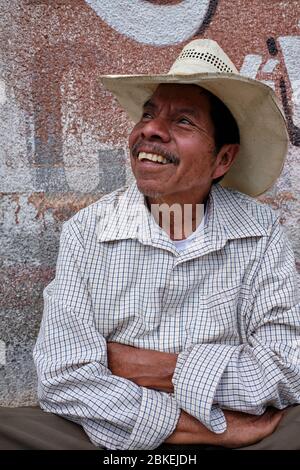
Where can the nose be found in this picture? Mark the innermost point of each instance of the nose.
(156, 129)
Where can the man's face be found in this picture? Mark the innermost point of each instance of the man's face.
(176, 125)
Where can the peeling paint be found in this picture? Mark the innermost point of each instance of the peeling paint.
(16, 199)
(62, 207)
(279, 200)
(3, 96)
(2, 353)
(22, 285)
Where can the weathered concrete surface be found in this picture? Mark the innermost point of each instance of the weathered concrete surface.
(63, 138)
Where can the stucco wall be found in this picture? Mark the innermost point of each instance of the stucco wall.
(63, 139)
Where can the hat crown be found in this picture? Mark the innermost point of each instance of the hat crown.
(202, 56)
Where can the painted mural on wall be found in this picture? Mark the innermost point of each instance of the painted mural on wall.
(63, 138)
(56, 152)
(170, 23)
(288, 81)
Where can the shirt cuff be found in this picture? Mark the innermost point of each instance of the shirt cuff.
(195, 381)
(157, 419)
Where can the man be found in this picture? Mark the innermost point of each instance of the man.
(149, 337)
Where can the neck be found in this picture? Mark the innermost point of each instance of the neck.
(179, 220)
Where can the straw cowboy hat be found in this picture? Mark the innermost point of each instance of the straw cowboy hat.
(254, 105)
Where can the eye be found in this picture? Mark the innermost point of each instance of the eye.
(146, 116)
(185, 121)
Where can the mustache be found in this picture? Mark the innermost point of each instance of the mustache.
(154, 148)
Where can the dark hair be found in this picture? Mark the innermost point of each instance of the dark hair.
(225, 125)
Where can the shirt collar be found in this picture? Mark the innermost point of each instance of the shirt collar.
(227, 209)
(128, 217)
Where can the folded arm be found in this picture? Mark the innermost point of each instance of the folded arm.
(154, 369)
(262, 371)
(71, 359)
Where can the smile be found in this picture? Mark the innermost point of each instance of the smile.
(153, 158)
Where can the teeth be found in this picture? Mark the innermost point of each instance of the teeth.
(153, 157)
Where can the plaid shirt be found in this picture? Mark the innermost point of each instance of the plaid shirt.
(228, 305)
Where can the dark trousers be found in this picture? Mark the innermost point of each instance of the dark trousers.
(31, 428)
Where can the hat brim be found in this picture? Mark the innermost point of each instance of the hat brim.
(254, 105)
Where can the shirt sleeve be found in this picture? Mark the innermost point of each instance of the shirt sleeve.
(71, 359)
(265, 369)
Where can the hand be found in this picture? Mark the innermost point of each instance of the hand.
(145, 367)
(242, 429)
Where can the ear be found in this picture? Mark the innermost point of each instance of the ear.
(224, 159)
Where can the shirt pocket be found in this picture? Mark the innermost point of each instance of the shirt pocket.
(216, 318)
